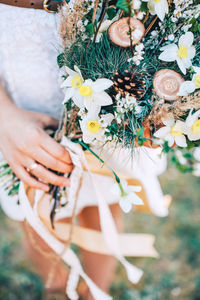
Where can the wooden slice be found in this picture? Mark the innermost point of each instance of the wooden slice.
(166, 84)
(119, 32)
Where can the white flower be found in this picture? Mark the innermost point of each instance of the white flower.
(192, 126)
(127, 195)
(72, 85)
(183, 53)
(92, 93)
(172, 133)
(158, 7)
(93, 126)
(188, 87)
(136, 4)
(196, 153)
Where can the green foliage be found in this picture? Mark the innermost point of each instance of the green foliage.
(96, 60)
(123, 5)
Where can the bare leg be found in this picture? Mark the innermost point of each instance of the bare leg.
(43, 258)
(100, 268)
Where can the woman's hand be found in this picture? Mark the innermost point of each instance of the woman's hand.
(24, 142)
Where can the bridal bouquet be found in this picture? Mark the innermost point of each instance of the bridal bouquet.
(132, 78)
(133, 74)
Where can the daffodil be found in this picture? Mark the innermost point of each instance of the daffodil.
(93, 126)
(192, 126)
(93, 93)
(127, 195)
(172, 133)
(188, 87)
(183, 53)
(72, 84)
(158, 7)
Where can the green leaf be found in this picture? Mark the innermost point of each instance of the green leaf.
(61, 60)
(90, 28)
(123, 5)
(111, 13)
(144, 6)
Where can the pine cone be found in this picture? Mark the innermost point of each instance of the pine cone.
(133, 84)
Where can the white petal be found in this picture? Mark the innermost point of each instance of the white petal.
(181, 65)
(67, 82)
(159, 10)
(169, 54)
(191, 52)
(70, 72)
(180, 141)
(102, 99)
(135, 188)
(187, 62)
(69, 94)
(186, 40)
(126, 206)
(101, 84)
(193, 136)
(170, 139)
(180, 126)
(169, 46)
(78, 99)
(93, 112)
(136, 200)
(78, 71)
(186, 88)
(192, 118)
(162, 132)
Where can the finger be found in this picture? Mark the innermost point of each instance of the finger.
(55, 149)
(51, 162)
(46, 120)
(24, 176)
(49, 177)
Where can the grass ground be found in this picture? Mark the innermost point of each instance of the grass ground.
(175, 275)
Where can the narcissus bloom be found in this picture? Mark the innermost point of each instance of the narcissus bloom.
(127, 195)
(188, 87)
(93, 93)
(172, 133)
(183, 53)
(158, 7)
(93, 126)
(192, 126)
(72, 84)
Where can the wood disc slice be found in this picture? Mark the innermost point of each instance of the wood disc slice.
(119, 32)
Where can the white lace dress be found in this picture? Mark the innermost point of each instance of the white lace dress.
(29, 45)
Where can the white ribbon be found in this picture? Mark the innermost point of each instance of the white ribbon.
(107, 225)
(106, 220)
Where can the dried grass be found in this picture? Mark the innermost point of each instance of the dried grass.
(69, 18)
(178, 109)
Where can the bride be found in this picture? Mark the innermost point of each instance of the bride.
(30, 102)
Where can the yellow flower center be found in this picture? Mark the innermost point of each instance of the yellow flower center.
(86, 90)
(77, 82)
(182, 52)
(196, 127)
(197, 81)
(175, 132)
(93, 126)
(156, 0)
